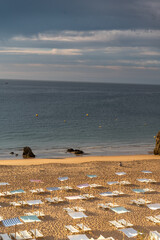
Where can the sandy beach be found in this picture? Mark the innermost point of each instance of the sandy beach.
(18, 174)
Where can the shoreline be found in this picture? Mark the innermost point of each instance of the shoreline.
(78, 159)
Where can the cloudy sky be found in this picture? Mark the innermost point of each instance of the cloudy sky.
(80, 40)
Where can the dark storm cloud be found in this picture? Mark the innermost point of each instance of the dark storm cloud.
(29, 17)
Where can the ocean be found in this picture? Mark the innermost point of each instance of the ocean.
(98, 118)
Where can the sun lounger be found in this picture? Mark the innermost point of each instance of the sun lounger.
(25, 234)
(15, 204)
(66, 188)
(157, 217)
(149, 190)
(107, 205)
(58, 199)
(23, 203)
(72, 229)
(4, 236)
(78, 209)
(7, 193)
(103, 206)
(94, 185)
(2, 194)
(140, 201)
(153, 219)
(1, 218)
(83, 227)
(36, 233)
(124, 182)
(88, 196)
(40, 190)
(17, 236)
(116, 224)
(125, 223)
(154, 235)
(33, 190)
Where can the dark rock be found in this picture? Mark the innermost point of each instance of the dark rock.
(70, 150)
(120, 164)
(77, 151)
(16, 154)
(27, 153)
(11, 153)
(157, 147)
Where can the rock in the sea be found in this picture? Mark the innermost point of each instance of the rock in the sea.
(77, 151)
(11, 153)
(27, 153)
(70, 150)
(157, 147)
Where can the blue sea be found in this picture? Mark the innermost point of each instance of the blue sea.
(98, 118)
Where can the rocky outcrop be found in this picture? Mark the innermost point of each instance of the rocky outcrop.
(27, 153)
(75, 151)
(157, 147)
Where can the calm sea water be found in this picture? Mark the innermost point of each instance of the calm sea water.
(101, 119)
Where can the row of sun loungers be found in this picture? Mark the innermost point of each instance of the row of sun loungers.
(155, 219)
(22, 235)
(78, 228)
(140, 201)
(122, 223)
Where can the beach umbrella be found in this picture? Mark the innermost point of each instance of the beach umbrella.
(18, 191)
(11, 222)
(62, 179)
(138, 190)
(129, 232)
(30, 219)
(119, 210)
(78, 237)
(34, 181)
(52, 189)
(4, 184)
(34, 202)
(112, 183)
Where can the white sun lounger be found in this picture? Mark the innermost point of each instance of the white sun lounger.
(88, 196)
(153, 219)
(33, 190)
(157, 217)
(1, 218)
(25, 234)
(15, 204)
(103, 206)
(116, 224)
(125, 182)
(83, 227)
(78, 209)
(36, 233)
(154, 235)
(72, 229)
(125, 223)
(4, 236)
(40, 190)
(66, 188)
(17, 236)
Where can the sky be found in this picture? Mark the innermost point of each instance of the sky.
(116, 41)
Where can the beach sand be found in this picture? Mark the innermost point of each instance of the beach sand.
(19, 172)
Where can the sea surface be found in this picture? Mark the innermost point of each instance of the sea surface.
(98, 118)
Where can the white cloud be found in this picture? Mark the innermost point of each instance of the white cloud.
(39, 51)
(92, 36)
